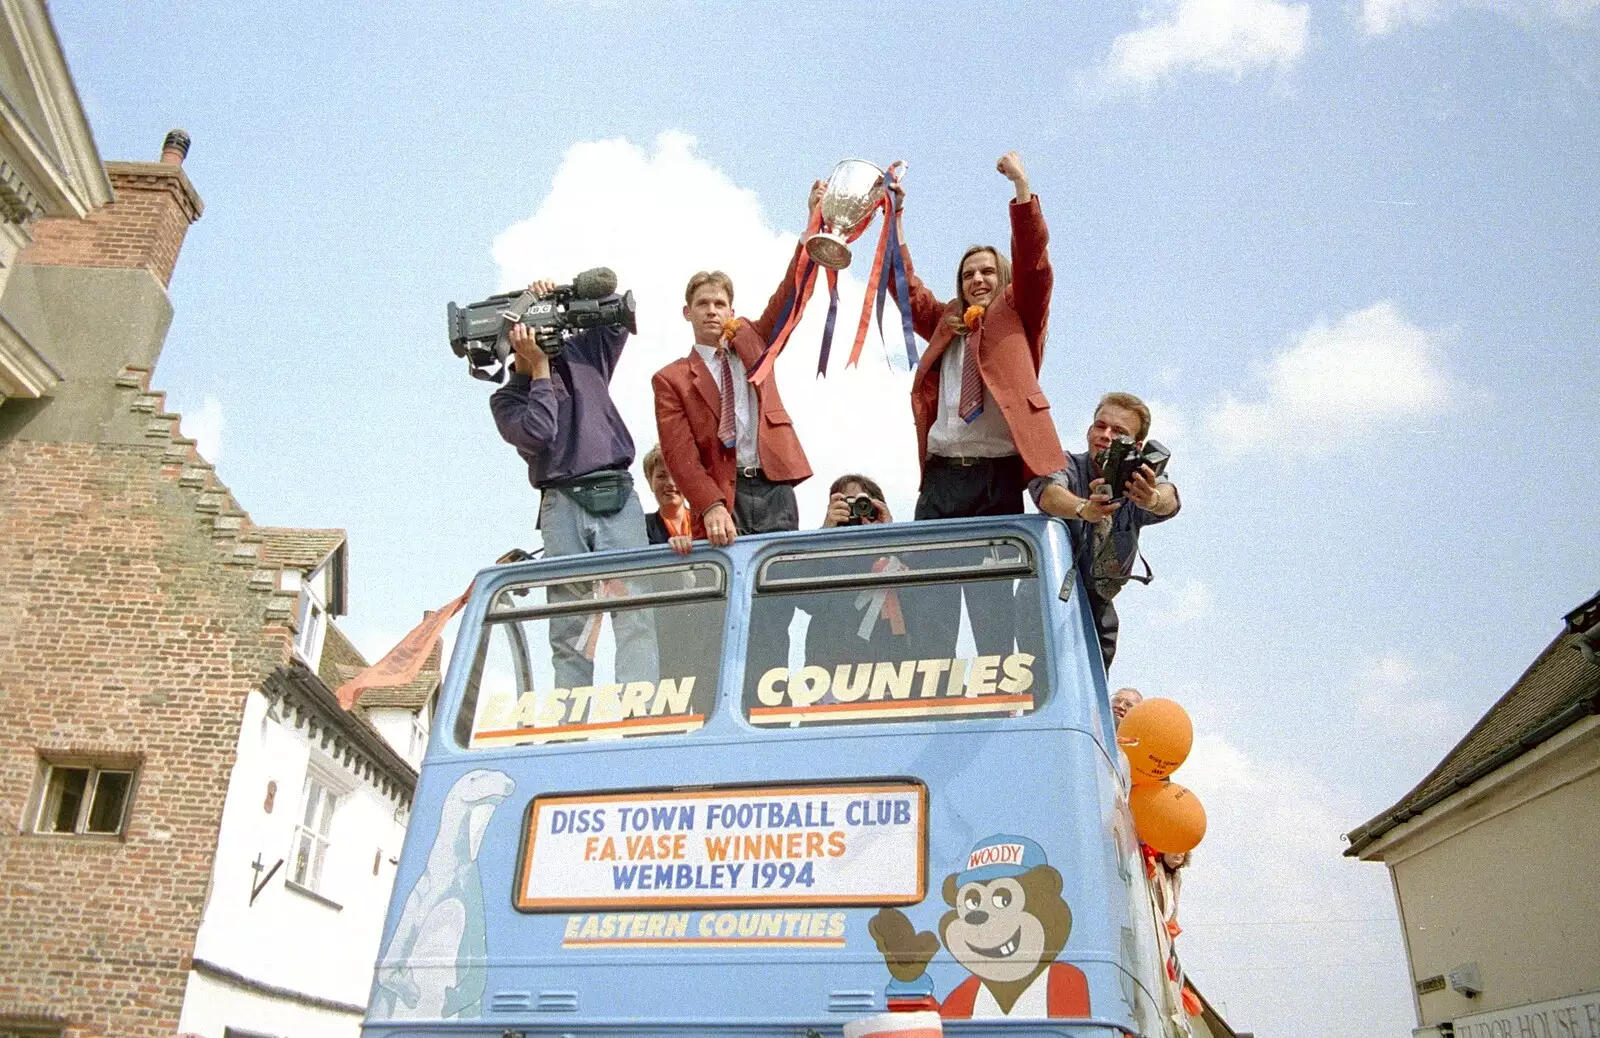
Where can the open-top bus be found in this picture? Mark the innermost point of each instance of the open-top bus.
(774, 788)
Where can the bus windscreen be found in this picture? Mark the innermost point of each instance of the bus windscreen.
(913, 633)
(605, 657)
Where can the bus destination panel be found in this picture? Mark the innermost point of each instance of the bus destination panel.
(815, 845)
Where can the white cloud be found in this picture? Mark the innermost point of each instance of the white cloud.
(1227, 37)
(1169, 423)
(205, 428)
(1383, 16)
(1338, 383)
(1388, 693)
(658, 214)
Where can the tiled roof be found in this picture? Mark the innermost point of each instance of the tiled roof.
(285, 547)
(340, 661)
(1561, 687)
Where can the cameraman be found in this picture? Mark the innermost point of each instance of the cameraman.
(1105, 528)
(558, 413)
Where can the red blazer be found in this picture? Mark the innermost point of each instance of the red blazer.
(1066, 994)
(1011, 351)
(688, 407)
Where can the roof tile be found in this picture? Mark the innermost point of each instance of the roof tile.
(285, 547)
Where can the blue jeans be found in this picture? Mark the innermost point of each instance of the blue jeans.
(569, 530)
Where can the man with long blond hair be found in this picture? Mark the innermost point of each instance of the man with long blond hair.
(983, 423)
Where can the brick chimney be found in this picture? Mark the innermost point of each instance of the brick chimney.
(142, 229)
(90, 296)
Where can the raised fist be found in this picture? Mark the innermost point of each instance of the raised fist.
(1010, 166)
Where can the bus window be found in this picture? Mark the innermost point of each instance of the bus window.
(896, 633)
(600, 657)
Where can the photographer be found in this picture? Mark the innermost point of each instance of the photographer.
(835, 634)
(855, 500)
(556, 410)
(1105, 521)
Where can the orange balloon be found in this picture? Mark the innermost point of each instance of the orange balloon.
(1156, 735)
(1168, 817)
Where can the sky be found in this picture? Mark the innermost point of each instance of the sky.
(1348, 251)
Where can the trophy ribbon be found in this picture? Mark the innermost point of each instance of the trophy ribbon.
(888, 255)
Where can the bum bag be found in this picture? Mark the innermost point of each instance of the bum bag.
(600, 493)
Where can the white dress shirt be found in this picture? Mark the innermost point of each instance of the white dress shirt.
(988, 436)
(746, 409)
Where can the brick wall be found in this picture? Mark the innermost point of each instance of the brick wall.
(132, 622)
(144, 227)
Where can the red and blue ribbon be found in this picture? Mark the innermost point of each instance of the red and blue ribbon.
(886, 258)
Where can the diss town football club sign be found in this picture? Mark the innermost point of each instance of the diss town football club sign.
(794, 846)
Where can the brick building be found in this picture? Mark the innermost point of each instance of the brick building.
(193, 834)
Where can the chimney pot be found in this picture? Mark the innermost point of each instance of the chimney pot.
(175, 148)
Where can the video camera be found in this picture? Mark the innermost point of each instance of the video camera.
(478, 330)
(1124, 457)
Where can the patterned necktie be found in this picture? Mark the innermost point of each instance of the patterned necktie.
(971, 405)
(727, 429)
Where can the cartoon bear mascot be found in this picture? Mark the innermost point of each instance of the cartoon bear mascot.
(1006, 925)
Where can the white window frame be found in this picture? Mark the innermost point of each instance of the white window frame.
(44, 811)
(309, 638)
(317, 831)
(419, 734)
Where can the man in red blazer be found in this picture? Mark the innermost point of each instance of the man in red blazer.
(983, 423)
(730, 446)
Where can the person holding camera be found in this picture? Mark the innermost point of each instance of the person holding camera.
(855, 500)
(556, 410)
(1105, 521)
(871, 626)
(730, 446)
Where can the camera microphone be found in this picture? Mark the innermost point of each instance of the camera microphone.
(594, 284)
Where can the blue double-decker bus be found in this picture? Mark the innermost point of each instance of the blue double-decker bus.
(775, 788)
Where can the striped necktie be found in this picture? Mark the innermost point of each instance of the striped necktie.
(727, 429)
(971, 405)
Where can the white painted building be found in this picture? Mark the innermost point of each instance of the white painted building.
(1495, 855)
(315, 815)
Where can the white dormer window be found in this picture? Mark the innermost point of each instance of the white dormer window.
(313, 616)
(421, 724)
(419, 735)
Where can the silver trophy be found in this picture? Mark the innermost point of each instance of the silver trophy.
(853, 191)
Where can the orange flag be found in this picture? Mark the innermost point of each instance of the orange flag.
(404, 662)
